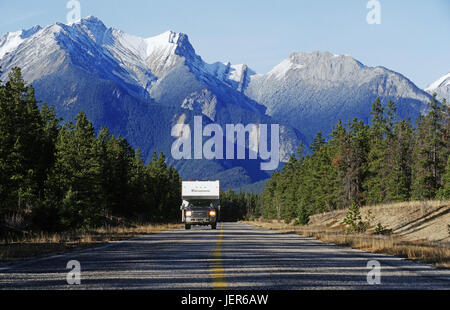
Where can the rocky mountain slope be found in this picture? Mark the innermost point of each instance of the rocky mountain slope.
(311, 92)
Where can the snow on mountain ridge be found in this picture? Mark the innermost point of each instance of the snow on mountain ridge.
(283, 68)
(148, 59)
(145, 62)
(167, 40)
(10, 41)
(318, 62)
(443, 81)
(144, 59)
(441, 87)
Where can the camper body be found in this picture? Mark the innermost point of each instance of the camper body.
(201, 204)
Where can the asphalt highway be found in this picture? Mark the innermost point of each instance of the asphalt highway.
(235, 256)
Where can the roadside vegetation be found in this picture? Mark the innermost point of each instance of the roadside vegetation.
(423, 251)
(413, 230)
(37, 244)
(59, 177)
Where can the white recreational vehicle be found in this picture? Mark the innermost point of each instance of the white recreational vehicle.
(200, 203)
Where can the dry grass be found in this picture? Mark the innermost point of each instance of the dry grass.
(39, 244)
(414, 221)
(435, 253)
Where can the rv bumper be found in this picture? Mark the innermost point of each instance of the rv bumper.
(200, 221)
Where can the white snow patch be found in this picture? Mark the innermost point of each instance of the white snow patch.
(163, 44)
(236, 72)
(135, 44)
(284, 67)
(10, 42)
(443, 81)
(166, 42)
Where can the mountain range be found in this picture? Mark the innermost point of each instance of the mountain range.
(140, 87)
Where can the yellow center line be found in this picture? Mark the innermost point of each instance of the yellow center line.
(217, 271)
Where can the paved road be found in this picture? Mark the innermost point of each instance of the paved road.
(236, 256)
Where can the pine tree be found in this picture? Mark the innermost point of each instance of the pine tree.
(45, 213)
(21, 134)
(324, 176)
(173, 200)
(354, 221)
(444, 192)
(399, 176)
(76, 176)
(374, 183)
(286, 191)
(270, 202)
(353, 164)
(429, 161)
(119, 158)
(50, 134)
(137, 184)
(446, 129)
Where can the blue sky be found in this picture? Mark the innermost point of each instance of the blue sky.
(413, 38)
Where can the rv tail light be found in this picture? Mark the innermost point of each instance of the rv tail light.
(212, 213)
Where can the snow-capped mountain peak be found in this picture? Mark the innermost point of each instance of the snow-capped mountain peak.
(441, 88)
(321, 63)
(169, 42)
(88, 20)
(281, 70)
(441, 82)
(91, 19)
(307, 87)
(166, 38)
(91, 25)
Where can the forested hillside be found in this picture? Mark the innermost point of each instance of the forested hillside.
(57, 177)
(388, 160)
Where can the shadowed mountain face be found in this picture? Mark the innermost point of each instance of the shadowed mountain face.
(141, 87)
